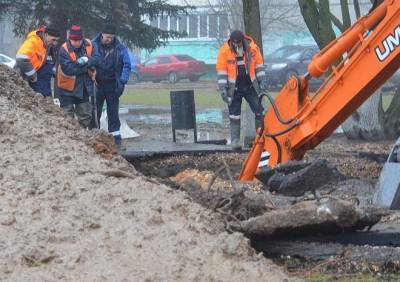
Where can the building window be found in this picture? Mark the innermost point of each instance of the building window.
(213, 25)
(172, 24)
(223, 26)
(203, 26)
(154, 22)
(164, 22)
(193, 26)
(183, 24)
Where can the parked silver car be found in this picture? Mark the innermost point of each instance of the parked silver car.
(287, 61)
(291, 60)
(6, 60)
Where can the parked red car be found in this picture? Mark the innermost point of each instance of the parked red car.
(172, 68)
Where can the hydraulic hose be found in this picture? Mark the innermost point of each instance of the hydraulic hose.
(279, 149)
(276, 111)
(282, 131)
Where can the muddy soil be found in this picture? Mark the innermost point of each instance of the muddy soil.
(353, 158)
(73, 210)
(359, 162)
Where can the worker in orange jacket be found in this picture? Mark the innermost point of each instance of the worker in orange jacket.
(36, 58)
(240, 68)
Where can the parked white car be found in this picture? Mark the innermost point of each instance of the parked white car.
(6, 60)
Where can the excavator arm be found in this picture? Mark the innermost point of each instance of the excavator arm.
(298, 121)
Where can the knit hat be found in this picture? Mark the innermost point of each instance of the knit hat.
(109, 29)
(237, 36)
(52, 31)
(75, 33)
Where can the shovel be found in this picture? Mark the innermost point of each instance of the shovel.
(92, 74)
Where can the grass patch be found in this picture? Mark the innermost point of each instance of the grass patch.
(204, 98)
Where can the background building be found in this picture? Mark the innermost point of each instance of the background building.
(210, 23)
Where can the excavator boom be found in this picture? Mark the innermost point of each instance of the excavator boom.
(299, 121)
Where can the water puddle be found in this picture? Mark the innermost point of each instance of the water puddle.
(162, 115)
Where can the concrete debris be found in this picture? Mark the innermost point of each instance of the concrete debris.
(328, 215)
(295, 178)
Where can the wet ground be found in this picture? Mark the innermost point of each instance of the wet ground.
(370, 255)
(154, 123)
(374, 253)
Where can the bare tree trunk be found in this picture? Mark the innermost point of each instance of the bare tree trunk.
(344, 5)
(252, 25)
(357, 8)
(324, 22)
(392, 117)
(367, 121)
(318, 20)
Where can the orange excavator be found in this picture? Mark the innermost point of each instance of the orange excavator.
(297, 120)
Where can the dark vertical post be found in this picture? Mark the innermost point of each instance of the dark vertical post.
(183, 112)
(194, 120)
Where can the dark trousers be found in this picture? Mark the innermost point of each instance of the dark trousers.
(106, 92)
(250, 95)
(81, 108)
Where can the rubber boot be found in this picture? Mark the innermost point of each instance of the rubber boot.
(235, 135)
(83, 112)
(118, 140)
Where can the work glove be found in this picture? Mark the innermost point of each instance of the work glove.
(82, 61)
(263, 85)
(33, 78)
(56, 101)
(225, 96)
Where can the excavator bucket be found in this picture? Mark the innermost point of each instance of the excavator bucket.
(388, 187)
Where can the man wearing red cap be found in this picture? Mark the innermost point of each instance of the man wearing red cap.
(241, 75)
(77, 60)
(35, 58)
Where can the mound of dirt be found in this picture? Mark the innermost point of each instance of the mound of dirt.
(68, 213)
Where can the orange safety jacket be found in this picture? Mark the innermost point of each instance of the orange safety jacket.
(227, 65)
(67, 82)
(33, 50)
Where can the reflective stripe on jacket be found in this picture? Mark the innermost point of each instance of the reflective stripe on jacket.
(227, 65)
(31, 56)
(67, 82)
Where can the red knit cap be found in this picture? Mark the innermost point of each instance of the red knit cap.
(75, 33)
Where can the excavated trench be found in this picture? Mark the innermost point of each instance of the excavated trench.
(311, 249)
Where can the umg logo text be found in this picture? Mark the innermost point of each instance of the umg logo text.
(389, 45)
